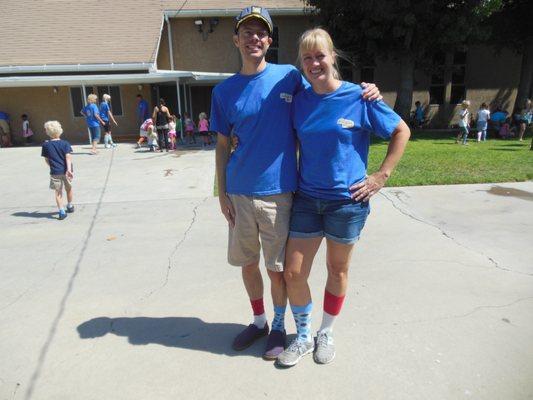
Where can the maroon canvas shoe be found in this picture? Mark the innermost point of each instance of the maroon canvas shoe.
(248, 336)
(275, 344)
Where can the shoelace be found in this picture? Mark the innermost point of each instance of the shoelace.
(322, 339)
(296, 346)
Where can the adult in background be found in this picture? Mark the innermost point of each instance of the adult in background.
(5, 131)
(92, 117)
(333, 124)
(142, 111)
(161, 117)
(524, 119)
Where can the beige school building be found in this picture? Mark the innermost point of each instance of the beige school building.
(54, 53)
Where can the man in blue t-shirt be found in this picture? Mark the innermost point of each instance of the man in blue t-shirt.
(256, 181)
(142, 111)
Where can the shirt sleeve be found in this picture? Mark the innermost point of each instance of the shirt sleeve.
(68, 147)
(380, 119)
(219, 119)
(44, 150)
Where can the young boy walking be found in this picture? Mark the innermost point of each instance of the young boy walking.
(57, 154)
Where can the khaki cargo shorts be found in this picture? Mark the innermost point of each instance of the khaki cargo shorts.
(260, 222)
(57, 182)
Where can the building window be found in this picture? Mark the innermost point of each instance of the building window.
(77, 100)
(116, 101)
(272, 55)
(437, 86)
(346, 68)
(458, 93)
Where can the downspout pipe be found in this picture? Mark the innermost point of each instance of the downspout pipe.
(170, 45)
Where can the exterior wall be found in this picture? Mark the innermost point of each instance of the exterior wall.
(217, 53)
(42, 104)
(491, 77)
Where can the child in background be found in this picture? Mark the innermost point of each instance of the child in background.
(483, 116)
(26, 131)
(505, 131)
(106, 115)
(57, 154)
(179, 127)
(189, 128)
(203, 128)
(143, 132)
(464, 122)
(172, 132)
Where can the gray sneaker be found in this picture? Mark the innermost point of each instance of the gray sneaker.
(325, 349)
(296, 350)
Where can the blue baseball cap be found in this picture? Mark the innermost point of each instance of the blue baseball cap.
(256, 12)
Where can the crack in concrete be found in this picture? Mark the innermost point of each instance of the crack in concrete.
(494, 263)
(469, 313)
(70, 286)
(175, 249)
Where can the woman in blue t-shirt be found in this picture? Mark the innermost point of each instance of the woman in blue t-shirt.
(333, 124)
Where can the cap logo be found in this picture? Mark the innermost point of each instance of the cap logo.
(256, 10)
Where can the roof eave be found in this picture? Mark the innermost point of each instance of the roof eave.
(231, 12)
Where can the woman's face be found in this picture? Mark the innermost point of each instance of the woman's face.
(318, 65)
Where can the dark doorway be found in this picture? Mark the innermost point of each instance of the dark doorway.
(201, 100)
(169, 93)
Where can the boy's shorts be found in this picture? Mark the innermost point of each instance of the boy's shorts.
(57, 182)
(143, 133)
(339, 220)
(260, 222)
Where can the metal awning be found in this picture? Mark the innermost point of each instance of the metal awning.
(157, 76)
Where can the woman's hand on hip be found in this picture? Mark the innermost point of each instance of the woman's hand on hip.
(364, 190)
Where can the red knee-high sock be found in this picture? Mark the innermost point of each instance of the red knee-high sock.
(332, 308)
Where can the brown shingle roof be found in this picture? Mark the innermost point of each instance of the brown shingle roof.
(37, 32)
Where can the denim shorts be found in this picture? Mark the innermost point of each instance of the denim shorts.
(95, 133)
(482, 125)
(338, 220)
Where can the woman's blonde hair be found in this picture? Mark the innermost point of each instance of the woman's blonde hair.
(202, 115)
(106, 97)
(318, 38)
(92, 98)
(466, 103)
(53, 129)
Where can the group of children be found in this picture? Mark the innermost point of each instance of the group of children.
(148, 132)
(499, 121)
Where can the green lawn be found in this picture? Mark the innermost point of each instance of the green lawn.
(435, 159)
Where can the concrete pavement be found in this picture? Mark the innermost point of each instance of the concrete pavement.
(131, 297)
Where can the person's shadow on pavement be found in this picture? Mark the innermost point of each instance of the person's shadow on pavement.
(35, 214)
(185, 332)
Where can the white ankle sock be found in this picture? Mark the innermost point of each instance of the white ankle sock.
(260, 320)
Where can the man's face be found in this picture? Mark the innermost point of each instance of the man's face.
(252, 39)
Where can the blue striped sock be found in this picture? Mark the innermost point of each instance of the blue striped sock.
(278, 323)
(302, 319)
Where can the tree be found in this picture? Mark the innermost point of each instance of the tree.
(410, 32)
(511, 29)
